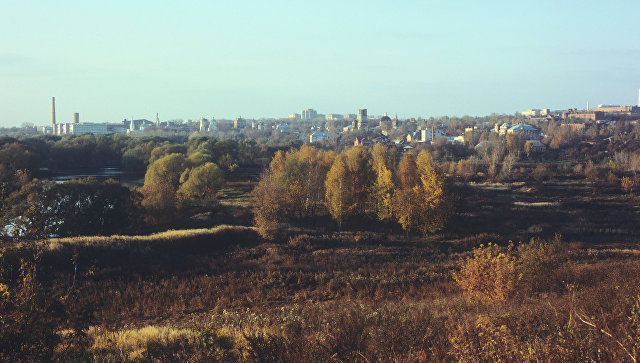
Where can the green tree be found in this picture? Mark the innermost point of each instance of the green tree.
(161, 182)
(202, 182)
(77, 207)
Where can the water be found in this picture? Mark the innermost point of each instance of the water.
(125, 178)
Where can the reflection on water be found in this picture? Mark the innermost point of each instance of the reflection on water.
(125, 178)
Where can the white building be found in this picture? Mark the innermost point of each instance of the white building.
(334, 116)
(534, 112)
(321, 136)
(81, 128)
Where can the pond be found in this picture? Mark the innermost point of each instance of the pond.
(123, 177)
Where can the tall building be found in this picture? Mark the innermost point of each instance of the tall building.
(76, 117)
(308, 114)
(362, 119)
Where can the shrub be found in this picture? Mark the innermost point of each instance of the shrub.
(538, 260)
(488, 340)
(489, 274)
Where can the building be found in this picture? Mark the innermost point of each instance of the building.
(592, 115)
(535, 146)
(501, 129)
(76, 117)
(414, 136)
(617, 110)
(536, 112)
(239, 123)
(334, 116)
(80, 128)
(294, 116)
(308, 114)
(283, 128)
(321, 136)
(350, 116)
(204, 125)
(429, 135)
(524, 129)
(362, 119)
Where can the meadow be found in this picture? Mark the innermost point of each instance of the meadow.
(521, 273)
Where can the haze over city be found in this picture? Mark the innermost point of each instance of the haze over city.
(115, 60)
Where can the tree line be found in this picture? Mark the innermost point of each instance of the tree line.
(307, 183)
(176, 176)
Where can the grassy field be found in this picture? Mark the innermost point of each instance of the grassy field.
(224, 294)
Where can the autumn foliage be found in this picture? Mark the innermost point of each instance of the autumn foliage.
(308, 183)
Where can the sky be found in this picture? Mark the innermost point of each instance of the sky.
(111, 60)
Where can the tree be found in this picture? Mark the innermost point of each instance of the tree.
(161, 182)
(202, 182)
(408, 171)
(515, 144)
(406, 199)
(77, 207)
(380, 158)
(358, 163)
(435, 202)
(268, 205)
(382, 194)
(338, 190)
(277, 163)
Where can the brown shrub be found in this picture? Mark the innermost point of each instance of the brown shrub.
(489, 274)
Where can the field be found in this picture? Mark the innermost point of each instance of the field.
(223, 293)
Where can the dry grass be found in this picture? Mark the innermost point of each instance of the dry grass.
(122, 242)
(134, 342)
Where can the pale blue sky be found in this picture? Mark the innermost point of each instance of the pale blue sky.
(184, 59)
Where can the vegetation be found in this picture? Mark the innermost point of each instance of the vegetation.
(359, 184)
(331, 253)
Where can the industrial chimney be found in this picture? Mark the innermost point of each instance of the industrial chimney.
(53, 115)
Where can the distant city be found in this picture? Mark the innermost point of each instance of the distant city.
(311, 126)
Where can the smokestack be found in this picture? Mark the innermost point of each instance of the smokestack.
(157, 120)
(53, 114)
(76, 118)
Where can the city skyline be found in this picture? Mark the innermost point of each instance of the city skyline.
(417, 59)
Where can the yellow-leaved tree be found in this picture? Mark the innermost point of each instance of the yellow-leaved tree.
(423, 201)
(338, 187)
(405, 199)
(435, 201)
(383, 186)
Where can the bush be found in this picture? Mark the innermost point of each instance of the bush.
(489, 274)
(539, 260)
(493, 273)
